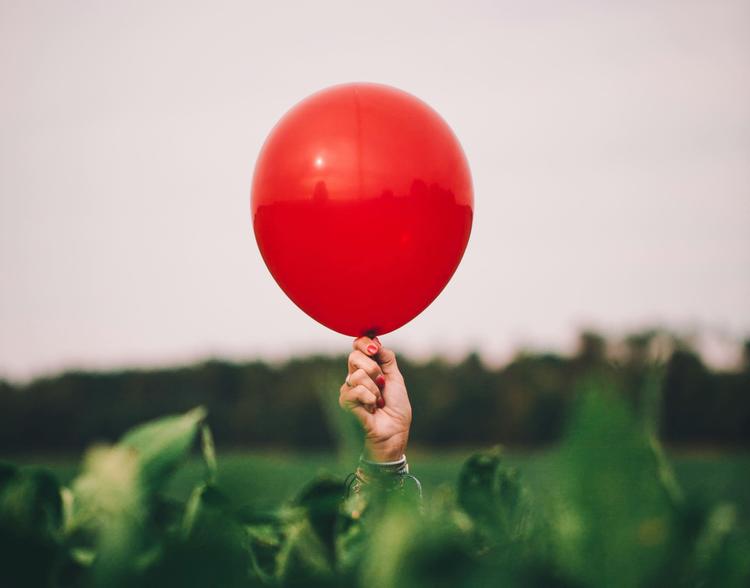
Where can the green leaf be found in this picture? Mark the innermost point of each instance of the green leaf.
(321, 501)
(30, 501)
(7, 472)
(114, 499)
(30, 526)
(408, 550)
(208, 450)
(613, 519)
(162, 444)
(209, 549)
(493, 497)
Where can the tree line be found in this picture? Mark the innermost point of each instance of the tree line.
(466, 403)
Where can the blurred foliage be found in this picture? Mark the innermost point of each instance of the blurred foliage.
(468, 403)
(612, 514)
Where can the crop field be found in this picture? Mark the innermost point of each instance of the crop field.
(605, 507)
(265, 479)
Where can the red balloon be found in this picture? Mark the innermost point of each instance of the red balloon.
(362, 206)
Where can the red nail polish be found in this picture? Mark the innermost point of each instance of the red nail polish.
(372, 349)
(380, 381)
(380, 402)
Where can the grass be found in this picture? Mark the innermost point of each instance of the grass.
(265, 479)
(602, 510)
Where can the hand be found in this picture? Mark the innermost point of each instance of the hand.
(376, 395)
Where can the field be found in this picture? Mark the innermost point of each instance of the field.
(606, 507)
(264, 479)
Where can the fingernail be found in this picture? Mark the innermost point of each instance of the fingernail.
(380, 402)
(380, 381)
(372, 349)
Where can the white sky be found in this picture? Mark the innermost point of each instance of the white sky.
(609, 142)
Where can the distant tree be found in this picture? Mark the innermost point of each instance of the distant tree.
(592, 348)
(259, 404)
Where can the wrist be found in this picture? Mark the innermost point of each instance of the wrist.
(382, 472)
(385, 451)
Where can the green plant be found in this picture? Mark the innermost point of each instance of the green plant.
(612, 514)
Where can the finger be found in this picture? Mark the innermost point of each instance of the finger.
(362, 412)
(361, 378)
(366, 345)
(359, 361)
(386, 358)
(357, 396)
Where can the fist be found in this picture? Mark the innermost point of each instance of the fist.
(375, 392)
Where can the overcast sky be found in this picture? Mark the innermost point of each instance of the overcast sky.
(609, 144)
